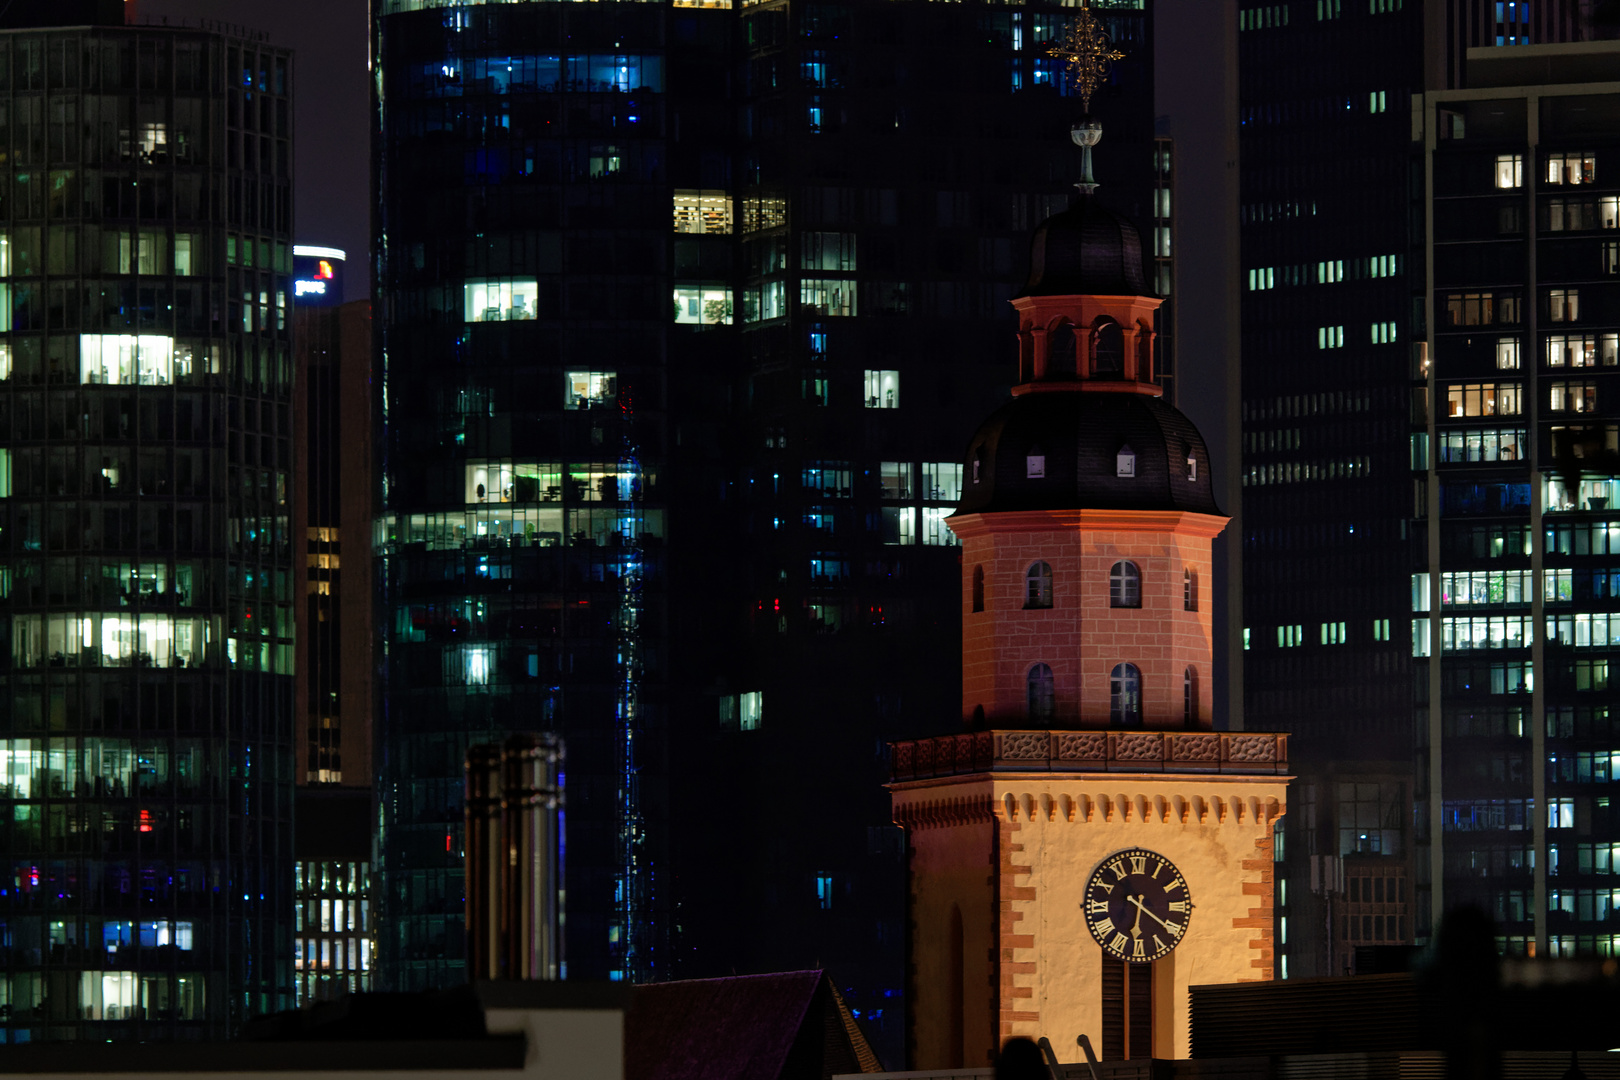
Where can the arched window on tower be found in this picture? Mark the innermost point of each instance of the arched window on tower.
(1189, 697)
(1038, 586)
(1125, 696)
(1107, 349)
(1124, 585)
(1060, 350)
(1189, 589)
(1040, 694)
(978, 588)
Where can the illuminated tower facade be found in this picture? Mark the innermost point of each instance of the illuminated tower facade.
(1129, 845)
(146, 719)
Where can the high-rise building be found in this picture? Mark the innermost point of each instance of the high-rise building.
(1333, 521)
(145, 402)
(690, 312)
(333, 929)
(1517, 457)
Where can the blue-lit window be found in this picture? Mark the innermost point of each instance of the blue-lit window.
(824, 891)
(813, 67)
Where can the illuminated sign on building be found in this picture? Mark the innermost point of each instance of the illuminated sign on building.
(317, 275)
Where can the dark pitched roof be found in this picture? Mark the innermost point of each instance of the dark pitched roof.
(788, 1026)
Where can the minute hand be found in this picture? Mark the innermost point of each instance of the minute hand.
(1137, 900)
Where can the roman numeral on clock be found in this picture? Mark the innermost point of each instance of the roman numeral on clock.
(1096, 907)
(1179, 905)
(1119, 943)
(1176, 884)
(1141, 948)
(1138, 864)
(1106, 927)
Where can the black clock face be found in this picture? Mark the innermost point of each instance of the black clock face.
(1137, 905)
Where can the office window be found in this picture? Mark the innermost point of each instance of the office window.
(1609, 257)
(899, 524)
(124, 359)
(1572, 397)
(1475, 445)
(1334, 633)
(1380, 629)
(894, 479)
(702, 305)
(1582, 350)
(1125, 696)
(824, 891)
(942, 481)
(934, 529)
(1509, 171)
(882, 389)
(1507, 354)
(1482, 309)
(834, 251)
(703, 212)
(1571, 168)
(1482, 399)
(584, 389)
(1189, 589)
(1289, 637)
(740, 712)
(1124, 586)
(1189, 697)
(1038, 586)
(827, 296)
(1563, 305)
(1383, 333)
(1040, 694)
(815, 387)
(500, 300)
(1330, 337)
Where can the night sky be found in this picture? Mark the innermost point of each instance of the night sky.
(331, 102)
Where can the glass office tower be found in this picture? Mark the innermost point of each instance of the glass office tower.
(523, 219)
(1517, 606)
(689, 313)
(145, 379)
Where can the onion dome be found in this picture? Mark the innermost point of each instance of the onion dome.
(1087, 451)
(1086, 249)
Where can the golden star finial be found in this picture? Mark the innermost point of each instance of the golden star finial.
(1086, 54)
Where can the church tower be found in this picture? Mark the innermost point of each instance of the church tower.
(1086, 847)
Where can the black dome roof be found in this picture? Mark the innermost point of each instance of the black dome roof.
(1086, 249)
(1080, 434)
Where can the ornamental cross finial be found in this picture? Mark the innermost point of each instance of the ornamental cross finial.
(1086, 54)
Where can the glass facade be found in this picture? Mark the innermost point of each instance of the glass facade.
(1327, 331)
(1517, 598)
(145, 379)
(676, 400)
(334, 938)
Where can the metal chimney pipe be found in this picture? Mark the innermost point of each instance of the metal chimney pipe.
(531, 800)
(482, 801)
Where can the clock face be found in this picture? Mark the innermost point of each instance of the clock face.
(1137, 905)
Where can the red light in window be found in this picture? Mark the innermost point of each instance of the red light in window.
(447, 841)
(777, 604)
(146, 821)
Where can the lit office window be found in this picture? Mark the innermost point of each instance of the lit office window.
(1571, 168)
(704, 212)
(584, 389)
(1507, 354)
(882, 389)
(1563, 305)
(750, 710)
(894, 478)
(698, 305)
(124, 359)
(942, 481)
(500, 300)
(1509, 171)
(934, 529)
(827, 296)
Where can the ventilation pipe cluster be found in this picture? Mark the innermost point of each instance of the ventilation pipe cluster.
(514, 802)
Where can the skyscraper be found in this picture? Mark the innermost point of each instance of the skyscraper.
(1515, 605)
(1334, 517)
(690, 312)
(144, 481)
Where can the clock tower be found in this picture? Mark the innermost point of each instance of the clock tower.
(1085, 846)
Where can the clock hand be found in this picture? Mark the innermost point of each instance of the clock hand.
(1136, 931)
(1140, 908)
